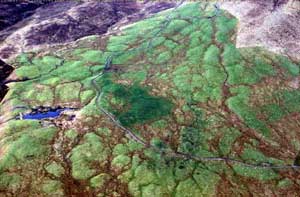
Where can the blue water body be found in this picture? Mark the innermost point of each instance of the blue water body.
(43, 115)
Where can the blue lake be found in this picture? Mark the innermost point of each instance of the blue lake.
(53, 113)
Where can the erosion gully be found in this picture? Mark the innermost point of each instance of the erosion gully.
(6, 70)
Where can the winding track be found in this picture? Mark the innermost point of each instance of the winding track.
(170, 153)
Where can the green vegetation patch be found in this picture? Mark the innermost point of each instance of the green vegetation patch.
(292, 68)
(41, 94)
(194, 141)
(90, 109)
(191, 9)
(27, 72)
(147, 181)
(51, 81)
(121, 161)
(136, 76)
(194, 54)
(225, 26)
(206, 31)
(258, 173)
(37, 66)
(86, 96)
(196, 80)
(256, 156)
(126, 57)
(71, 134)
(23, 59)
(123, 39)
(284, 183)
(99, 180)
(231, 55)
(291, 100)
(52, 187)
(112, 47)
(92, 56)
(83, 155)
(163, 57)
(240, 74)
(226, 142)
(16, 126)
(46, 63)
(144, 28)
(175, 26)
(273, 112)
(211, 56)
(181, 81)
(239, 104)
(71, 71)
(206, 185)
(28, 145)
(120, 149)
(143, 107)
(68, 92)
(139, 105)
(10, 181)
(187, 188)
(55, 169)
(262, 68)
(190, 140)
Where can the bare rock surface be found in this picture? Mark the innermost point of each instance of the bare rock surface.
(28, 26)
(165, 107)
(63, 22)
(272, 26)
(12, 12)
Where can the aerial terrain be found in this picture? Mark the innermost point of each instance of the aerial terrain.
(150, 98)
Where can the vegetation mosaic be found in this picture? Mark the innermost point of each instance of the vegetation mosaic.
(178, 83)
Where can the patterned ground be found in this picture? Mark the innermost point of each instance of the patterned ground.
(201, 117)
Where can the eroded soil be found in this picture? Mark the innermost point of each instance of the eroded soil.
(167, 106)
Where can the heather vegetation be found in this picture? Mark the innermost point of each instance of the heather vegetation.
(182, 88)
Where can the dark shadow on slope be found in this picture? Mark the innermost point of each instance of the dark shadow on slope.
(5, 71)
(12, 12)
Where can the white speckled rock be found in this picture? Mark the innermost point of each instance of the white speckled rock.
(277, 30)
(65, 21)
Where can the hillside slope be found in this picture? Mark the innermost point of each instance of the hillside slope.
(167, 106)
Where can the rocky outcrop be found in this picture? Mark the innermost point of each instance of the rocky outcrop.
(5, 71)
(66, 21)
(31, 26)
(261, 24)
(62, 22)
(167, 106)
(292, 6)
(11, 12)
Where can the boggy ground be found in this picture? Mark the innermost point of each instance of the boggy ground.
(179, 84)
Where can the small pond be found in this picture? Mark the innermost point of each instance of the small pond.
(44, 113)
